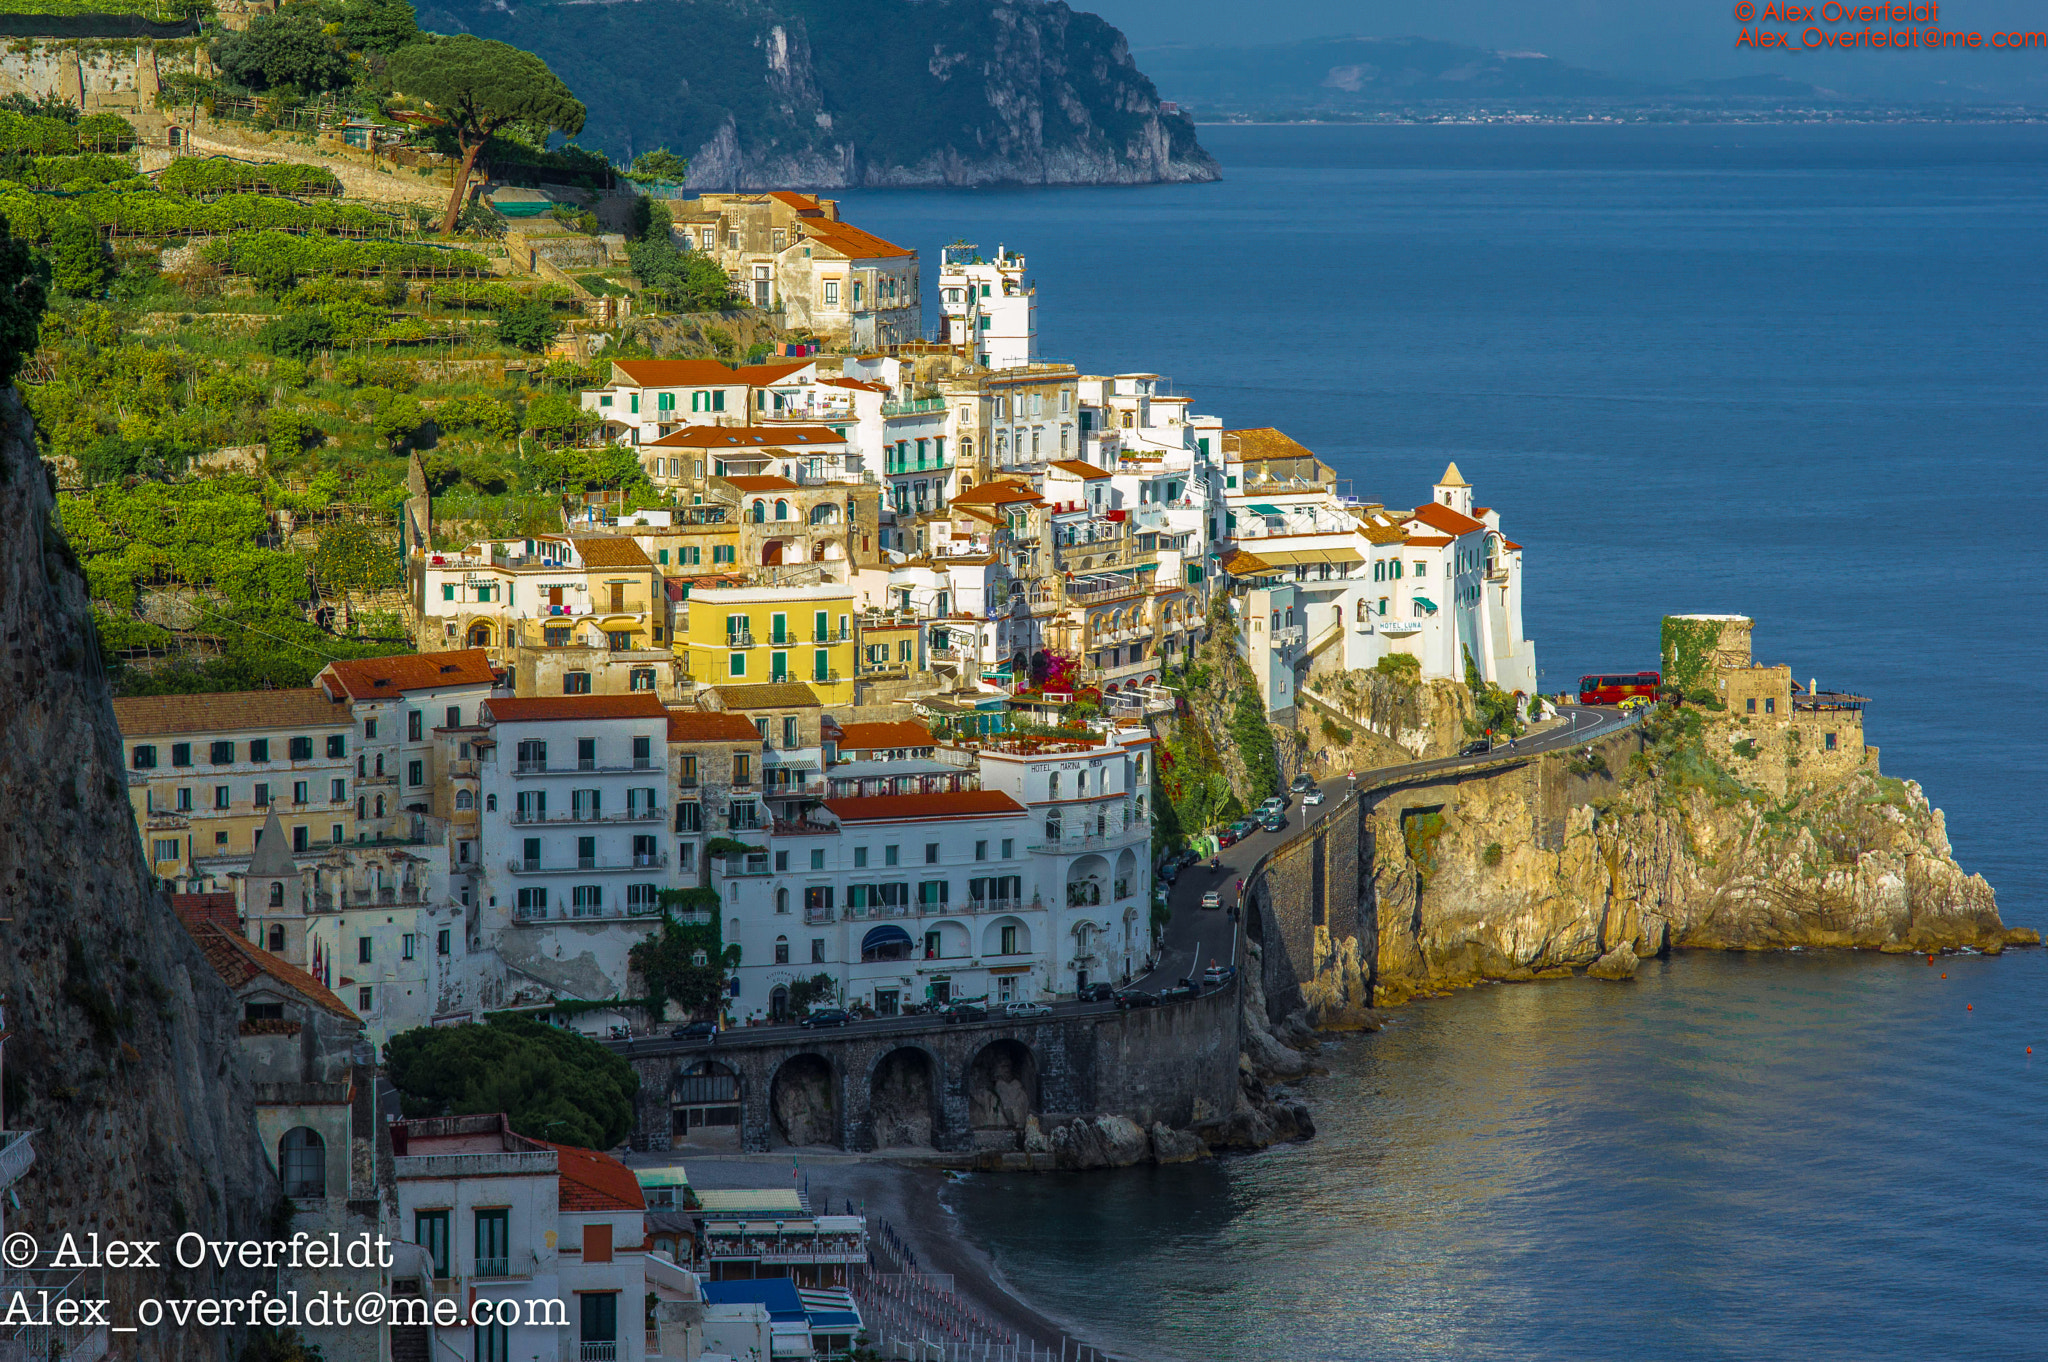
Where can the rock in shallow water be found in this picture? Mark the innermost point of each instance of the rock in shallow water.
(1618, 964)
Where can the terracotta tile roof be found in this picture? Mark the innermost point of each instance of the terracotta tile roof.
(851, 241)
(380, 676)
(550, 708)
(946, 804)
(238, 961)
(148, 715)
(1380, 528)
(1511, 544)
(859, 383)
(803, 203)
(677, 373)
(896, 733)
(196, 909)
(768, 695)
(1242, 564)
(1075, 468)
(1264, 442)
(710, 725)
(590, 1181)
(1428, 541)
(611, 551)
(750, 482)
(762, 375)
(748, 437)
(996, 493)
(1445, 520)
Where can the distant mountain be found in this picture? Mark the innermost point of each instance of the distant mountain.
(1342, 74)
(838, 93)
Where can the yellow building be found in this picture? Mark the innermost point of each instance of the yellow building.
(744, 635)
(205, 771)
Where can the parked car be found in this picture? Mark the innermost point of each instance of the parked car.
(1245, 827)
(1135, 997)
(819, 1017)
(966, 1012)
(697, 1030)
(1096, 993)
(1311, 798)
(1274, 821)
(1302, 783)
(1229, 836)
(1178, 993)
(1212, 899)
(1277, 804)
(1027, 1010)
(1217, 974)
(1477, 748)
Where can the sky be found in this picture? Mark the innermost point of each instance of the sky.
(1652, 39)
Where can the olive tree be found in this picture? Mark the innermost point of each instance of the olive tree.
(481, 87)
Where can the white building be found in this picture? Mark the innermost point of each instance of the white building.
(559, 1231)
(645, 399)
(987, 307)
(573, 824)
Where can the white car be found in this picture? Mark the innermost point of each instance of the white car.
(1027, 1010)
(1212, 899)
(1312, 797)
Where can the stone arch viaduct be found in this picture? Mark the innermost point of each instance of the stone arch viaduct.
(916, 1081)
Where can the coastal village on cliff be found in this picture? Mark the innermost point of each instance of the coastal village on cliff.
(880, 739)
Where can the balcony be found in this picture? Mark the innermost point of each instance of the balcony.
(592, 865)
(913, 406)
(878, 910)
(645, 814)
(580, 768)
(743, 639)
(592, 1351)
(817, 917)
(161, 820)
(1290, 636)
(833, 635)
(532, 1163)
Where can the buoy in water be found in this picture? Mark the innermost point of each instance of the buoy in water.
(1944, 974)
(1930, 959)
(1969, 1007)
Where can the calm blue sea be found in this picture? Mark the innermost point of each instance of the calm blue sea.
(1792, 372)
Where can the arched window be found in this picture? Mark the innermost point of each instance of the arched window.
(782, 900)
(380, 806)
(302, 1163)
(781, 509)
(464, 800)
(760, 511)
(490, 803)
(781, 950)
(1053, 788)
(276, 936)
(1364, 612)
(277, 893)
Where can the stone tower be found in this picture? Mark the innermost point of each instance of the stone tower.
(1452, 490)
(274, 897)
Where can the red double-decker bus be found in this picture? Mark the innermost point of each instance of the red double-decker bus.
(1612, 689)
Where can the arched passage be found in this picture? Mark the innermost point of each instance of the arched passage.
(903, 1098)
(802, 1099)
(704, 1103)
(480, 635)
(1002, 1086)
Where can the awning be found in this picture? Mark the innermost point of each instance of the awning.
(888, 935)
(1267, 510)
(1292, 557)
(1426, 603)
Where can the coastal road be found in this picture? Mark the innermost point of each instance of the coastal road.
(1196, 937)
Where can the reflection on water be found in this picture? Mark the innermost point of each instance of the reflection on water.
(1821, 1156)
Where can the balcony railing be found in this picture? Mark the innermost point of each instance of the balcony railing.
(635, 862)
(592, 1351)
(913, 406)
(644, 814)
(494, 1267)
(496, 1163)
(743, 639)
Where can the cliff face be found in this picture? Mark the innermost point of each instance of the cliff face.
(765, 94)
(120, 1047)
(1368, 718)
(1552, 864)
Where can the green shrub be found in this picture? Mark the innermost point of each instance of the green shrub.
(1492, 854)
(288, 430)
(527, 325)
(78, 258)
(1401, 667)
(198, 176)
(299, 335)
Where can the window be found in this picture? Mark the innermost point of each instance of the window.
(415, 725)
(407, 946)
(1750, 705)
(337, 746)
(144, 758)
(260, 797)
(737, 665)
(302, 1163)
(443, 941)
(575, 683)
(164, 849)
(1830, 741)
(493, 1243)
(689, 817)
(1008, 845)
(781, 950)
(742, 768)
(817, 950)
(831, 293)
(302, 838)
(223, 796)
(369, 730)
(782, 860)
(931, 853)
(641, 678)
(362, 950)
(185, 799)
(600, 1319)
(981, 851)
(860, 858)
(430, 1232)
(1009, 940)
(533, 903)
(782, 900)
(586, 900)
(415, 773)
(259, 750)
(889, 855)
(1770, 704)
(494, 1341)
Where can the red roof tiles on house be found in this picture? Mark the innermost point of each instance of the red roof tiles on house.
(551, 708)
(1075, 468)
(762, 482)
(703, 373)
(380, 676)
(1444, 519)
(590, 1181)
(850, 241)
(748, 437)
(895, 733)
(149, 715)
(196, 909)
(238, 961)
(904, 807)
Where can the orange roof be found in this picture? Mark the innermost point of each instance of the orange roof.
(749, 437)
(897, 733)
(703, 373)
(1242, 564)
(238, 961)
(859, 383)
(850, 241)
(549, 708)
(150, 715)
(1075, 468)
(710, 725)
(946, 804)
(1511, 544)
(611, 551)
(748, 482)
(381, 676)
(1264, 442)
(803, 203)
(996, 493)
(1429, 541)
(1444, 519)
(590, 1181)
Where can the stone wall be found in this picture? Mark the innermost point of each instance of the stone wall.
(121, 1046)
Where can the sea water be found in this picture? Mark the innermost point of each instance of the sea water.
(1790, 372)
